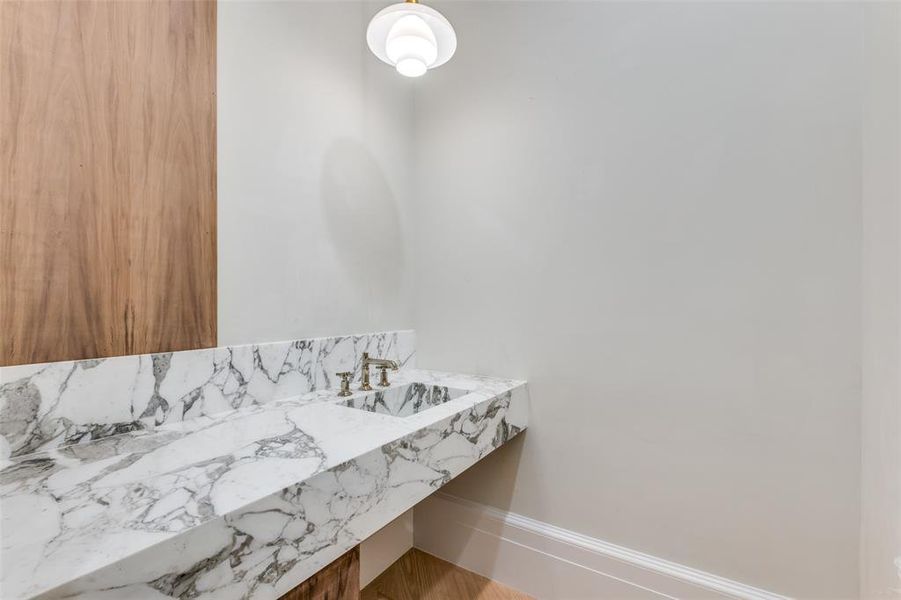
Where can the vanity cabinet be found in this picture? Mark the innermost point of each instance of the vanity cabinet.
(338, 581)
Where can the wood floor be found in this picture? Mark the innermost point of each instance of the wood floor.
(420, 576)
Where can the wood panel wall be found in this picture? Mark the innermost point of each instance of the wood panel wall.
(107, 178)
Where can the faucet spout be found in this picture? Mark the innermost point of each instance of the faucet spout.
(382, 363)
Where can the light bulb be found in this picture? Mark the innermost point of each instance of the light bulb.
(411, 67)
(411, 37)
(411, 46)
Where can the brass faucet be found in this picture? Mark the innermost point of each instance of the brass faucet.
(383, 364)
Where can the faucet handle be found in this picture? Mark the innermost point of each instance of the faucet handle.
(383, 375)
(345, 382)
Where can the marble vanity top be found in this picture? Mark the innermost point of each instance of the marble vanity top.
(246, 503)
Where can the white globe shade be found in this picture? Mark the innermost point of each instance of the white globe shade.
(411, 45)
(411, 37)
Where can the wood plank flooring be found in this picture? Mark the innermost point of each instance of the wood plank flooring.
(420, 576)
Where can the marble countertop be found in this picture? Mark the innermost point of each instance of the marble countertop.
(243, 504)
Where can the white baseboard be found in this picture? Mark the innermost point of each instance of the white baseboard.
(556, 564)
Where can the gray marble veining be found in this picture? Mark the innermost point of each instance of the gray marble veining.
(62, 403)
(403, 401)
(242, 504)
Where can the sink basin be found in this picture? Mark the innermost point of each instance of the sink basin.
(404, 400)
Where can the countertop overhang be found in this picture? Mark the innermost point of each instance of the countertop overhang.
(245, 504)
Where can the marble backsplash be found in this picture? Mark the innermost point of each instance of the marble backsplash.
(54, 404)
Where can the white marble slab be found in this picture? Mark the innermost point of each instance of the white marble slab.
(243, 504)
(61, 403)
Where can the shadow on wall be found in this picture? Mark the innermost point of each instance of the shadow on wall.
(361, 213)
(503, 465)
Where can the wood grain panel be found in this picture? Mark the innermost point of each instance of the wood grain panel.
(107, 178)
(338, 581)
(420, 576)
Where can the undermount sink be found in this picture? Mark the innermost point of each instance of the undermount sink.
(404, 400)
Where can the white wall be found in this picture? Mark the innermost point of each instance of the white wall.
(652, 213)
(881, 406)
(314, 172)
(381, 549)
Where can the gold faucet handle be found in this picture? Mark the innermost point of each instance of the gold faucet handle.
(383, 375)
(345, 382)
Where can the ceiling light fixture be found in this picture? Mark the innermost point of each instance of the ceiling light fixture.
(411, 37)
